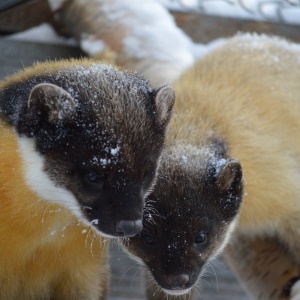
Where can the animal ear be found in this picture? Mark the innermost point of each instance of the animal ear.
(53, 101)
(164, 102)
(230, 184)
(229, 176)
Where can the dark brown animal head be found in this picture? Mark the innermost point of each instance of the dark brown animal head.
(188, 217)
(92, 137)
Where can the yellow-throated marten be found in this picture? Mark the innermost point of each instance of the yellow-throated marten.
(188, 217)
(238, 109)
(79, 148)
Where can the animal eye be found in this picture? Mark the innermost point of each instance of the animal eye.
(149, 240)
(92, 177)
(200, 238)
(92, 181)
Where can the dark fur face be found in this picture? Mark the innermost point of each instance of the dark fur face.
(100, 134)
(188, 219)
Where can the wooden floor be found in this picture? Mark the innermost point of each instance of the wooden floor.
(126, 277)
(127, 281)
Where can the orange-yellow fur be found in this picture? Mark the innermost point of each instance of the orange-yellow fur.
(248, 93)
(44, 250)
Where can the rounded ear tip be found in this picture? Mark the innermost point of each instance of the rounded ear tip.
(236, 166)
(38, 90)
(230, 172)
(32, 95)
(52, 100)
(164, 103)
(168, 91)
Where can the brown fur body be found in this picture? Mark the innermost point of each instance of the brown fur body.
(238, 110)
(72, 134)
(188, 217)
(247, 93)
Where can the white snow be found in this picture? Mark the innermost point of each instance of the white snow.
(104, 161)
(91, 45)
(115, 151)
(190, 154)
(184, 158)
(55, 4)
(150, 41)
(43, 33)
(95, 222)
(154, 31)
(219, 164)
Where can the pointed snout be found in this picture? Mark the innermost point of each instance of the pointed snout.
(126, 228)
(178, 281)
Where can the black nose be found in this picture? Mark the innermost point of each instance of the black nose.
(177, 281)
(129, 228)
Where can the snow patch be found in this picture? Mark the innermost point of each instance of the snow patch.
(115, 151)
(95, 222)
(43, 33)
(91, 45)
(104, 161)
(154, 33)
(219, 163)
(55, 4)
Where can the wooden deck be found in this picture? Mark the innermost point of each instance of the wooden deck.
(126, 277)
(127, 281)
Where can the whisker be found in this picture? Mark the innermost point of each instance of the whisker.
(133, 277)
(198, 289)
(49, 204)
(92, 241)
(127, 269)
(210, 264)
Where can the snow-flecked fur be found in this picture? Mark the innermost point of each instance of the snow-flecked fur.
(79, 147)
(196, 193)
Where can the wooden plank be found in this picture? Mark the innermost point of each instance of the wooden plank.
(24, 15)
(204, 28)
(16, 55)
